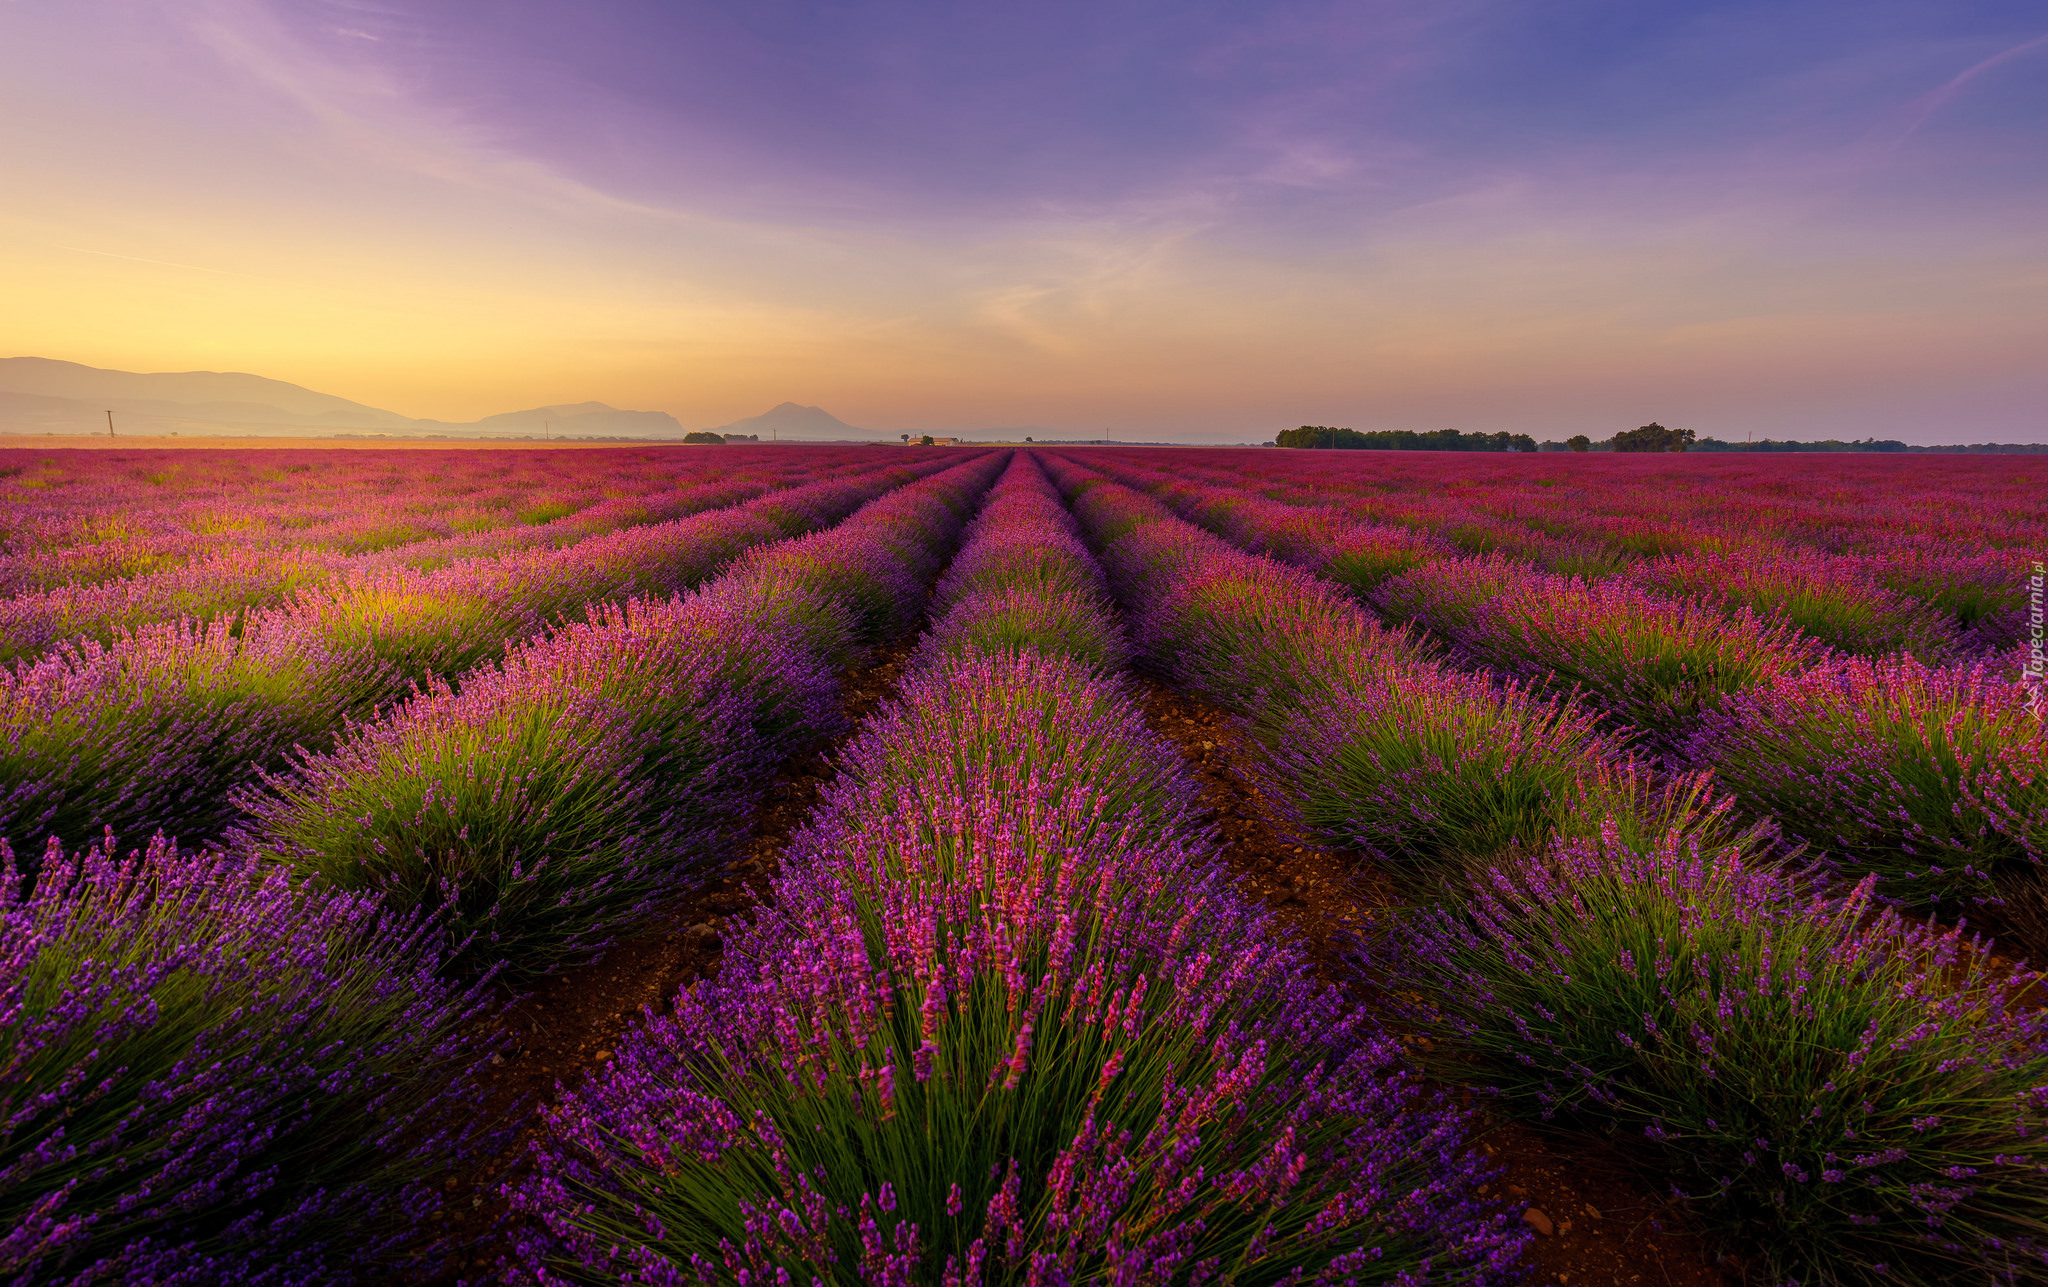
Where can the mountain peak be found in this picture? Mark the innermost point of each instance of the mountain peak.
(797, 421)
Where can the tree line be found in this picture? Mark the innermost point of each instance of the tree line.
(1330, 436)
(1651, 437)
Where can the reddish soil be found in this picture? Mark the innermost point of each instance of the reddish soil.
(567, 1025)
(1604, 1229)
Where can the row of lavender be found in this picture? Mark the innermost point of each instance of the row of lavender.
(1843, 1096)
(227, 579)
(1933, 776)
(159, 728)
(218, 1070)
(1008, 1020)
(78, 518)
(1949, 531)
(1923, 557)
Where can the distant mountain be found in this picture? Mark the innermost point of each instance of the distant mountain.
(42, 395)
(227, 394)
(594, 418)
(792, 421)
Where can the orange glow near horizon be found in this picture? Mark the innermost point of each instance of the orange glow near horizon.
(254, 204)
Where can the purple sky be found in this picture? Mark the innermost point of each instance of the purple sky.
(1190, 220)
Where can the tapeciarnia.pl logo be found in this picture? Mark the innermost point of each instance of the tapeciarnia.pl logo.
(2036, 675)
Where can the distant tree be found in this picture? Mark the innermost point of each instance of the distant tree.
(906, 438)
(925, 441)
(1648, 438)
(704, 436)
(1654, 437)
(1579, 442)
(1027, 437)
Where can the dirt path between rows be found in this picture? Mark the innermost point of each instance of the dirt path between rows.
(1596, 1226)
(566, 1026)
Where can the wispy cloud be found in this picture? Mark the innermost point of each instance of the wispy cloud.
(1933, 102)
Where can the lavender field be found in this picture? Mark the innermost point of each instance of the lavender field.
(1037, 867)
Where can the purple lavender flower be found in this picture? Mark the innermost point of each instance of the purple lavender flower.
(1829, 1087)
(551, 802)
(210, 1075)
(1828, 597)
(1007, 1018)
(1368, 745)
(1099, 1057)
(1023, 579)
(1936, 778)
(1654, 665)
(161, 728)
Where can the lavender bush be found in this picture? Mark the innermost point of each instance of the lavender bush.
(1653, 665)
(552, 799)
(1368, 555)
(1367, 745)
(1027, 619)
(1845, 1097)
(160, 729)
(880, 564)
(1044, 723)
(1831, 599)
(1500, 538)
(1024, 580)
(209, 1075)
(984, 1035)
(1359, 556)
(1246, 632)
(442, 623)
(1982, 592)
(1935, 778)
(1444, 598)
(1022, 539)
(1431, 772)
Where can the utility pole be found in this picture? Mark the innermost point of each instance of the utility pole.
(110, 424)
(545, 429)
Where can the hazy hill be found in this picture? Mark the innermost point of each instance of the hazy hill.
(795, 422)
(221, 391)
(594, 418)
(43, 395)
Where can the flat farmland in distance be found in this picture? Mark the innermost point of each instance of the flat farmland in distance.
(441, 861)
(246, 442)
